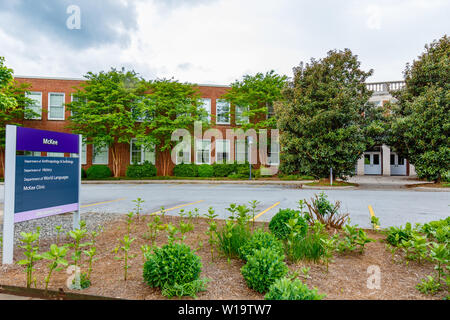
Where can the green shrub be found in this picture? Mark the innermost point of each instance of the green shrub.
(285, 289)
(263, 268)
(186, 289)
(438, 230)
(172, 264)
(278, 224)
(259, 240)
(205, 171)
(83, 174)
(141, 170)
(185, 170)
(223, 169)
(231, 237)
(395, 235)
(98, 172)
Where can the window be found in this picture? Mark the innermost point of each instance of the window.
(240, 118)
(99, 155)
(241, 151)
(274, 153)
(222, 151)
(222, 112)
(55, 154)
(140, 154)
(56, 106)
(207, 106)
(203, 152)
(32, 153)
(83, 153)
(72, 99)
(183, 153)
(36, 105)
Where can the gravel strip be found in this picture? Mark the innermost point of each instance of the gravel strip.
(48, 224)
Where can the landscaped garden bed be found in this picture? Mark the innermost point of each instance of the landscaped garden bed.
(350, 255)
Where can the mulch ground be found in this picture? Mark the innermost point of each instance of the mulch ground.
(346, 279)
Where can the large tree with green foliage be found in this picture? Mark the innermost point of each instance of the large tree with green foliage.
(322, 122)
(256, 95)
(13, 104)
(104, 110)
(168, 105)
(420, 129)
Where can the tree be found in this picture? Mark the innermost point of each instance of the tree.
(104, 110)
(322, 122)
(420, 129)
(256, 95)
(169, 105)
(13, 104)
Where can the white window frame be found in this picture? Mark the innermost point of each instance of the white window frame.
(107, 155)
(186, 150)
(55, 154)
(197, 150)
(238, 117)
(246, 150)
(142, 151)
(208, 108)
(269, 158)
(34, 108)
(83, 152)
(217, 113)
(227, 147)
(63, 106)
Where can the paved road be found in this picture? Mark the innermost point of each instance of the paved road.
(393, 207)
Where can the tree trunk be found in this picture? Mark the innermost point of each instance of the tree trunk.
(2, 162)
(116, 160)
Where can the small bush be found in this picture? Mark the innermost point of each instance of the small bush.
(395, 235)
(259, 240)
(223, 169)
(278, 223)
(172, 264)
(185, 170)
(83, 174)
(205, 171)
(263, 268)
(285, 289)
(98, 172)
(141, 170)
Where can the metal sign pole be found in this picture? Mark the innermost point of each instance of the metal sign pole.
(76, 214)
(10, 185)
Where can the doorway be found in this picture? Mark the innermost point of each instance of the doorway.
(398, 165)
(372, 163)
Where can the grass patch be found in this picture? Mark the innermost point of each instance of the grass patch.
(336, 183)
(431, 185)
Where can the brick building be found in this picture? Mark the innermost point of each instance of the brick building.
(51, 94)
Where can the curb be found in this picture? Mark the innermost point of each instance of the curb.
(248, 182)
(329, 188)
(430, 189)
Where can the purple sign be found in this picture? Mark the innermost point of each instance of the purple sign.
(29, 139)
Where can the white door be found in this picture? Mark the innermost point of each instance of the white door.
(372, 163)
(398, 165)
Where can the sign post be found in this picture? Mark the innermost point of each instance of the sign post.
(38, 187)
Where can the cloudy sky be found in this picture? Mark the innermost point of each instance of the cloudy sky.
(213, 41)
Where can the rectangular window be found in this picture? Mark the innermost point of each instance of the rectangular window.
(203, 152)
(56, 106)
(241, 151)
(222, 151)
(32, 153)
(240, 118)
(222, 112)
(207, 106)
(139, 154)
(36, 105)
(183, 153)
(100, 155)
(83, 153)
(274, 153)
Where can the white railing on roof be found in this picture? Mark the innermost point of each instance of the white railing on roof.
(385, 86)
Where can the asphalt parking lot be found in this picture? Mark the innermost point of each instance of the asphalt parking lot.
(393, 207)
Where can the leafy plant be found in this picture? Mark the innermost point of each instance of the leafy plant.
(146, 250)
(395, 235)
(59, 230)
(154, 226)
(263, 268)
(77, 236)
(253, 205)
(375, 222)
(440, 255)
(125, 247)
(212, 230)
(328, 245)
(279, 227)
(98, 171)
(308, 247)
(138, 207)
(31, 253)
(286, 289)
(129, 219)
(91, 253)
(325, 212)
(259, 240)
(189, 289)
(56, 257)
(416, 248)
(172, 264)
(231, 237)
(353, 239)
(429, 285)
